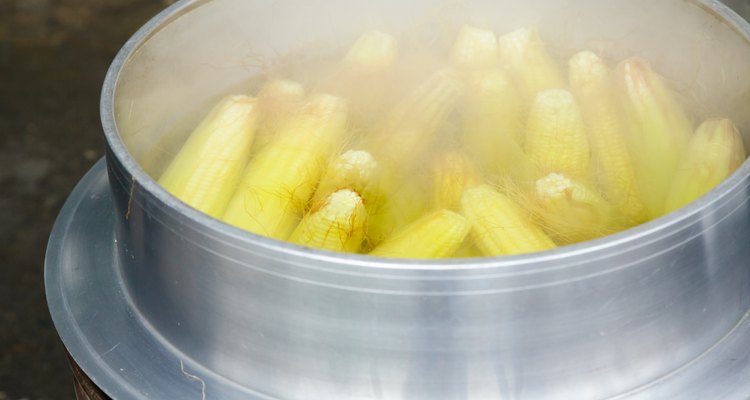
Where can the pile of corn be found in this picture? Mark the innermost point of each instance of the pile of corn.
(496, 154)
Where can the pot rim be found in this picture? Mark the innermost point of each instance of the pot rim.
(632, 238)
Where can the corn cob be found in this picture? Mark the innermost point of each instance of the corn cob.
(338, 225)
(499, 226)
(556, 137)
(205, 172)
(524, 55)
(475, 48)
(373, 52)
(277, 100)
(494, 125)
(437, 235)
(280, 180)
(452, 173)
(468, 250)
(715, 152)
(396, 207)
(367, 67)
(279, 97)
(355, 170)
(406, 138)
(592, 83)
(572, 212)
(659, 131)
(412, 126)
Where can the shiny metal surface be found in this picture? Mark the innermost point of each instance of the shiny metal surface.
(95, 317)
(129, 359)
(647, 313)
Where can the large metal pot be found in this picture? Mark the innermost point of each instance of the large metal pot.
(203, 308)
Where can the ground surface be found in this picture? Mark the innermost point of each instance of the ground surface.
(53, 57)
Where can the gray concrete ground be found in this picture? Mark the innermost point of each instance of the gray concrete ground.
(53, 56)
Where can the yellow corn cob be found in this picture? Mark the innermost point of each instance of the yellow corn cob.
(395, 207)
(475, 48)
(280, 180)
(374, 52)
(364, 76)
(499, 226)
(572, 212)
(715, 152)
(279, 97)
(402, 145)
(659, 131)
(468, 250)
(494, 126)
(277, 100)
(556, 137)
(437, 235)
(452, 173)
(205, 172)
(592, 83)
(338, 225)
(413, 124)
(355, 170)
(524, 55)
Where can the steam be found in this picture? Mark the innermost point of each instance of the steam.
(181, 70)
(236, 46)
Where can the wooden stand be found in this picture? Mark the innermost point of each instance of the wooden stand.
(84, 388)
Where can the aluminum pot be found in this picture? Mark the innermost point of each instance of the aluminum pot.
(621, 316)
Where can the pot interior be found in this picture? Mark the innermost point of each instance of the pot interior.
(216, 47)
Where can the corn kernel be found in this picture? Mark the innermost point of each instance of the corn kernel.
(412, 126)
(572, 212)
(437, 235)
(715, 152)
(524, 55)
(475, 48)
(494, 125)
(659, 131)
(452, 173)
(499, 226)
(396, 207)
(281, 179)
(556, 137)
(592, 83)
(205, 172)
(277, 100)
(356, 170)
(374, 52)
(408, 135)
(338, 225)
